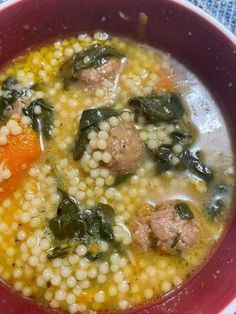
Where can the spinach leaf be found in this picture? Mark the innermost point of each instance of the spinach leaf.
(121, 178)
(84, 226)
(59, 251)
(106, 213)
(192, 161)
(99, 221)
(175, 242)
(184, 211)
(92, 222)
(89, 121)
(162, 165)
(216, 207)
(156, 108)
(69, 222)
(94, 256)
(9, 83)
(5, 105)
(42, 122)
(11, 92)
(162, 157)
(217, 203)
(67, 204)
(92, 117)
(10, 96)
(80, 143)
(67, 226)
(180, 137)
(94, 56)
(107, 233)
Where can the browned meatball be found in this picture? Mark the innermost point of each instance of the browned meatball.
(141, 228)
(95, 75)
(141, 235)
(125, 148)
(166, 225)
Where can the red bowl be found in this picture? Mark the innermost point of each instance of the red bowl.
(194, 38)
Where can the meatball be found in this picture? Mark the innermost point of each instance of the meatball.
(95, 75)
(141, 228)
(167, 226)
(141, 235)
(125, 148)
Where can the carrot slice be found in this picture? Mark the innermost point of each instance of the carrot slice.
(165, 83)
(17, 155)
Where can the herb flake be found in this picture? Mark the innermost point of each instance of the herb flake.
(184, 211)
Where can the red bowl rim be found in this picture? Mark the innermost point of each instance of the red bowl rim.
(185, 3)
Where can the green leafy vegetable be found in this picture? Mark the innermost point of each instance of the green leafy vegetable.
(67, 226)
(69, 222)
(93, 223)
(106, 213)
(162, 165)
(162, 157)
(106, 216)
(121, 178)
(67, 203)
(59, 251)
(156, 108)
(41, 122)
(5, 105)
(10, 96)
(9, 83)
(80, 143)
(94, 56)
(216, 208)
(94, 256)
(107, 233)
(36, 86)
(99, 221)
(175, 242)
(89, 121)
(184, 211)
(192, 161)
(92, 117)
(217, 203)
(182, 138)
(85, 226)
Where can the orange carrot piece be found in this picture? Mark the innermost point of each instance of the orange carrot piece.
(83, 297)
(165, 83)
(17, 155)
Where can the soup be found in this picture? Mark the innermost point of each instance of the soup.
(116, 173)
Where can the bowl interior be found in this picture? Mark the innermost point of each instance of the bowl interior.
(189, 37)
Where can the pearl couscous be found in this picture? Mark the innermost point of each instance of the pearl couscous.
(106, 201)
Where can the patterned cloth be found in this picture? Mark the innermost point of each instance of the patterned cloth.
(222, 10)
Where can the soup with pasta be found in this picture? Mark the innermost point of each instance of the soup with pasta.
(116, 173)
